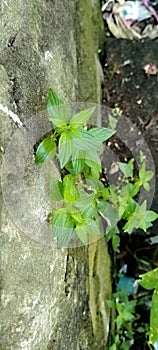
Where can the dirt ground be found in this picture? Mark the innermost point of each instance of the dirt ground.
(135, 92)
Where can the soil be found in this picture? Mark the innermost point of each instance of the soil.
(136, 93)
(127, 85)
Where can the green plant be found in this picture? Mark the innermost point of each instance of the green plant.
(83, 198)
(124, 315)
(149, 280)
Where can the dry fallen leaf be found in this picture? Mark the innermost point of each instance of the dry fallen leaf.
(150, 31)
(121, 29)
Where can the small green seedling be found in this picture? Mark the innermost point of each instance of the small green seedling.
(83, 197)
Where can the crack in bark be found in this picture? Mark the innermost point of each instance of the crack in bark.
(12, 39)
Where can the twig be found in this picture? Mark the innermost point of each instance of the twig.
(151, 121)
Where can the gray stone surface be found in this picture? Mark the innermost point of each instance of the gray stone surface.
(45, 291)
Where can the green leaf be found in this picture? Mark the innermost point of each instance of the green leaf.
(82, 117)
(85, 200)
(142, 156)
(63, 227)
(46, 150)
(136, 218)
(113, 195)
(149, 280)
(88, 228)
(113, 347)
(91, 158)
(125, 201)
(145, 176)
(105, 193)
(77, 217)
(127, 343)
(117, 339)
(115, 243)
(151, 215)
(108, 213)
(124, 193)
(74, 131)
(93, 161)
(85, 144)
(146, 186)
(147, 222)
(65, 148)
(135, 188)
(91, 212)
(95, 171)
(126, 169)
(145, 225)
(140, 329)
(93, 227)
(82, 234)
(53, 98)
(71, 193)
(119, 321)
(56, 188)
(95, 184)
(131, 163)
(153, 335)
(148, 175)
(142, 171)
(110, 303)
(75, 167)
(57, 111)
(100, 134)
(112, 122)
(129, 208)
(112, 232)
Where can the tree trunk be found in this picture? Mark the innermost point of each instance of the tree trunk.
(51, 299)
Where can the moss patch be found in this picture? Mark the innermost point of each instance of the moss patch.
(89, 42)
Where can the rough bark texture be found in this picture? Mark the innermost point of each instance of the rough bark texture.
(45, 292)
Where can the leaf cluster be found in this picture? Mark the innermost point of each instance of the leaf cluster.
(124, 314)
(122, 206)
(78, 151)
(83, 197)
